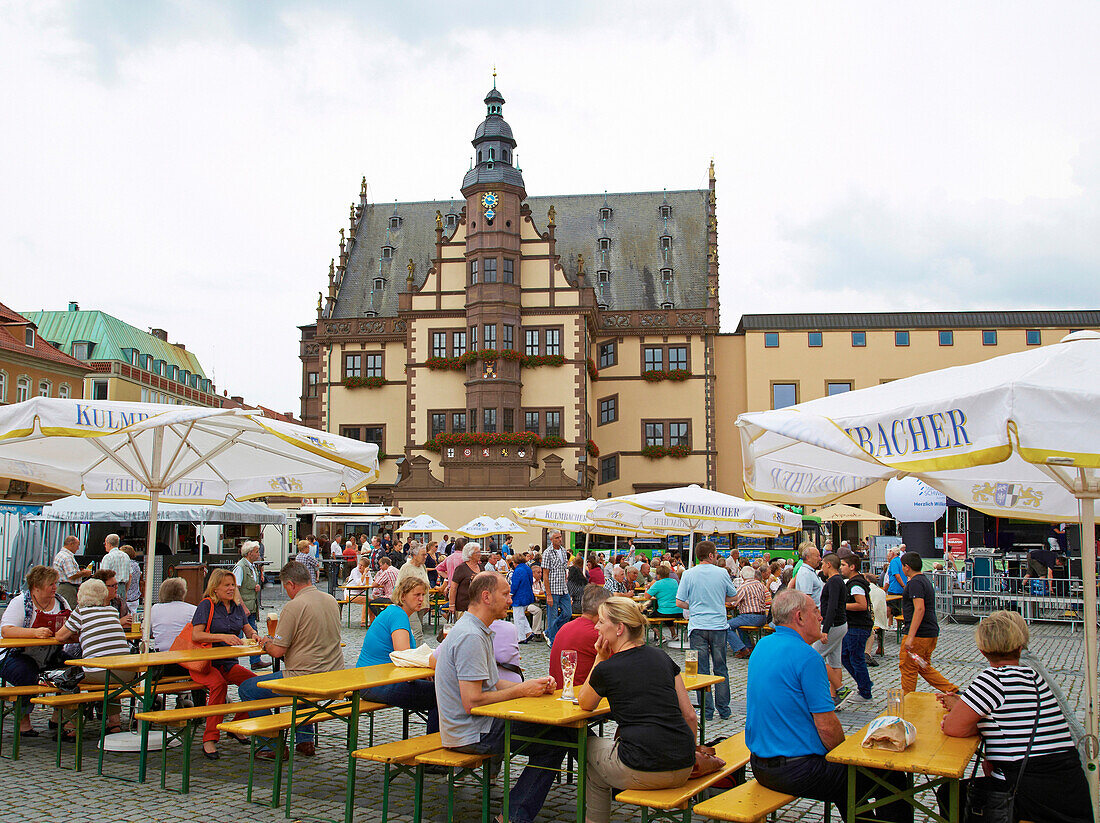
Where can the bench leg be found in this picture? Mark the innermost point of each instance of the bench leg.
(418, 793)
(485, 790)
(188, 743)
(17, 716)
(79, 724)
(277, 780)
(385, 793)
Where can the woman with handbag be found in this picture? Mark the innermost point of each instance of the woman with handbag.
(219, 621)
(1032, 771)
(655, 744)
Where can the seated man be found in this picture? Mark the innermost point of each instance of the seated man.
(385, 582)
(466, 676)
(308, 638)
(579, 635)
(791, 721)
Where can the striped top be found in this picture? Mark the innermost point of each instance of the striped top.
(752, 597)
(100, 632)
(1004, 696)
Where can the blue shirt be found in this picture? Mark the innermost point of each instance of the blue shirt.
(705, 588)
(787, 686)
(522, 593)
(894, 587)
(378, 643)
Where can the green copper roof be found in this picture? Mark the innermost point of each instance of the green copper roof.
(110, 336)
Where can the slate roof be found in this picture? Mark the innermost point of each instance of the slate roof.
(1072, 319)
(12, 339)
(634, 262)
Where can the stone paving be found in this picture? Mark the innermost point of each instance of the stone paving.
(32, 789)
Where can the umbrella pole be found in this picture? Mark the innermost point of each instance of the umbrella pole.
(1087, 500)
(151, 544)
(587, 534)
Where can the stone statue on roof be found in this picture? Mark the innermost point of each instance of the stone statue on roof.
(411, 267)
(580, 265)
(438, 219)
(552, 215)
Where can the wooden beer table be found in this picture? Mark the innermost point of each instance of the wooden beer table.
(132, 633)
(153, 665)
(941, 759)
(361, 588)
(316, 693)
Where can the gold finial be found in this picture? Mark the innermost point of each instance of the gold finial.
(438, 219)
(411, 267)
(580, 264)
(552, 215)
(494, 75)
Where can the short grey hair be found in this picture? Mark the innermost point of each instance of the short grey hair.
(594, 594)
(787, 604)
(295, 572)
(171, 590)
(248, 546)
(415, 548)
(112, 540)
(92, 592)
(470, 549)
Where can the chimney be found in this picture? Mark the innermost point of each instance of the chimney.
(160, 334)
(74, 306)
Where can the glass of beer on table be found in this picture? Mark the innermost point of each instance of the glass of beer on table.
(272, 623)
(691, 662)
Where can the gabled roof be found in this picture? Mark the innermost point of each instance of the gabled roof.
(12, 339)
(110, 336)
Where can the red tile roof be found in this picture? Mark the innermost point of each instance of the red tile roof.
(11, 339)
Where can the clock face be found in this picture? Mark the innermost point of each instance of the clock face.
(489, 203)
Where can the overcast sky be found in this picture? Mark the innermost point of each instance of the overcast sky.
(188, 165)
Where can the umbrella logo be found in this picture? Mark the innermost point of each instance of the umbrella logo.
(286, 484)
(321, 443)
(1007, 495)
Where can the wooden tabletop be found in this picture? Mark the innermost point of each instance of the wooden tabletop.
(135, 662)
(890, 597)
(132, 633)
(694, 682)
(546, 710)
(934, 752)
(344, 681)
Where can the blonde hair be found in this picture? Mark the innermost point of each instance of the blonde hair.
(1002, 634)
(624, 611)
(407, 585)
(216, 578)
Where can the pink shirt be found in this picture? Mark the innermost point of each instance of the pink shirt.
(452, 562)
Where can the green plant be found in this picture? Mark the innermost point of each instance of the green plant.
(515, 439)
(533, 361)
(653, 452)
(657, 375)
(679, 451)
(593, 372)
(364, 382)
(591, 447)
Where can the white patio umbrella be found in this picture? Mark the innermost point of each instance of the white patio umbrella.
(481, 526)
(573, 516)
(176, 454)
(422, 523)
(1014, 436)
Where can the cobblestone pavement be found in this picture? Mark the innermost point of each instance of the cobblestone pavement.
(32, 789)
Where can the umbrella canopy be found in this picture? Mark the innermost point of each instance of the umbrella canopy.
(479, 527)
(839, 512)
(573, 517)
(178, 454)
(690, 509)
(82, 509)
(422, 523)
(506, 526)
(1014, 436)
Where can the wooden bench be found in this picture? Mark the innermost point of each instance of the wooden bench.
(756, 632)
(397, 757)
(184, 729)
(457, 764)
(676, 804)
(260, 730)
(657, 624)
(11, 703)
(748, 803)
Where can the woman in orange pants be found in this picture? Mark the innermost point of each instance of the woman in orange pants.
(220, 620)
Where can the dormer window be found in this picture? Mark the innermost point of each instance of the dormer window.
(479, 156)
(146, 361)
(395, 223)
(82, 349)
(605, 244)
(666, 305)
(28, 337)
(387, 252)
(605, 213)
(506, 155)
(603, 277)
(452, 220)
(666, 243)
(492, 155)
(379, 283)
(666, 212)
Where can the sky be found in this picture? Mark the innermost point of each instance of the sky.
(187, 165)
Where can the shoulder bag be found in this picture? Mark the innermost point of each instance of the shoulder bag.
(988, 800)
(184, 642)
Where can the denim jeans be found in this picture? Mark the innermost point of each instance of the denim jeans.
(416, 695)
(852, 657)
(735, 639)
(18, 669)
(253, 621)
(814, 777)
(558, 614)
(529, 793)
(252, 689)
(711, 645)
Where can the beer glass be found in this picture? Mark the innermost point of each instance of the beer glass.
(691, 662)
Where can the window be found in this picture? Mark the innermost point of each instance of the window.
(312, 379)
(99, 389)
(439, 424)
(677, 357)
(473, 272)
(44, 388)
(531, 422)
(605, 213)
(553, 341)
(473, 338)
(82, 350)
(654, 434)
(859, 338)
(553, 424)
(439, 344)
(605, 244)
(23, 389)
(1034, 337)
(509, 339)
(837, 388)
(654, 358)
(452, 220)
(901, 338)
(666, 212)
(395, 222)
(666, 243)
(607, 353)
(989, 337)
(374, 365)
(784, 394)
(490, 420)
(387, 252)
(458, 422)
(531, 342)
(947, 338)
(609, 468)
(375, 435)
(354, 432)
(146, 361)
(679, 433)
(509, 275)
(353, 365)
(490, 336)
(771, 340)
(508, 424)
(609, 409)
(379, 283)
(490, 269)
(813, 339)
(28, 337)
(603, 284)
(3, 387)
(458, 344)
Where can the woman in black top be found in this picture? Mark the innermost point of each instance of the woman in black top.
(655, 747)
(431, 560)
(575, 581)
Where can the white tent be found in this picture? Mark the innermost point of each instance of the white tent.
(81, 509)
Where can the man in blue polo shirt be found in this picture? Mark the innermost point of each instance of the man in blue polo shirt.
(704, 592)
(791, 722)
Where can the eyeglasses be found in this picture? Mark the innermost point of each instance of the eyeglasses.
(112, 585)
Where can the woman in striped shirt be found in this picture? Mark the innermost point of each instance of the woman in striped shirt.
(1003, 704)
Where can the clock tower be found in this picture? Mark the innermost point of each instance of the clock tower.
(494, 192)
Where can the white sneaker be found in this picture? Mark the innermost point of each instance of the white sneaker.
(856, 697)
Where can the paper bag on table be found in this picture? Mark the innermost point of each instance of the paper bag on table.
(417, 658)
(891, 733)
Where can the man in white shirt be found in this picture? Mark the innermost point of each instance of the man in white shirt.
(71, 573)
(116, 560)
(807, 580)
(337, 547)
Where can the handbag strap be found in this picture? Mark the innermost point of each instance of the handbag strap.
(1031, 740)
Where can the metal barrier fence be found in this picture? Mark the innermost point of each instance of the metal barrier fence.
(1055, 601)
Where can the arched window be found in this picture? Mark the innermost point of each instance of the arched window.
(63, 391)
(44, 388)
(22, 389)
(3, 387)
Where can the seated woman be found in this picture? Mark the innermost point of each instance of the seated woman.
(662, 594)
(575, 581)
(595, 571)
(359, 576)
(170, 615)
(655, 747)
(33, 613)
(96, 623)
(392, 631)
(1004, 704)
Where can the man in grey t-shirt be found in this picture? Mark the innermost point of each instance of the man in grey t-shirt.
(466, 677)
